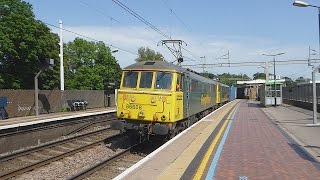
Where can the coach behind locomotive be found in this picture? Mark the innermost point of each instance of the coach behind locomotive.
(160, 98)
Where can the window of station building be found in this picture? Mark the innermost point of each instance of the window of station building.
(146, 79)
(163, 80)
(130, 79)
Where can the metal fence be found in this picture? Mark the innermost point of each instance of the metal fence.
(301, 96)
(301, 93)
(21, 102)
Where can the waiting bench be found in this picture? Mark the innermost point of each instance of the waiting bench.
(76, 105)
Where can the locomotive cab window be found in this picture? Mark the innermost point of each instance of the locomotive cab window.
(179, 83)
(146, 79)
(130, 79)
(163, 80)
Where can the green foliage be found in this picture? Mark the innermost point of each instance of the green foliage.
(302, 80)
(259, 76)
(289, 82)
(24, 45)
(146, 54)
(227, 78)
(90, 65)
(231, 79)
(65, 109)
(208, 75)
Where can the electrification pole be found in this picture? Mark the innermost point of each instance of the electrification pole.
(274, 75)
(61, 59)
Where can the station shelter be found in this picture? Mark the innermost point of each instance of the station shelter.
(271, 92)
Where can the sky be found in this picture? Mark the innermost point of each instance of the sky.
(210, 28)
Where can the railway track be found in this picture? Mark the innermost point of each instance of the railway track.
(27, 160)
(114, 165)
(50, 125)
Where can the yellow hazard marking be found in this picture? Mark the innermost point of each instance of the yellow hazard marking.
(207, 156)
(182, 160)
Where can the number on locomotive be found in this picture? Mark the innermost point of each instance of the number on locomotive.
(134, 106)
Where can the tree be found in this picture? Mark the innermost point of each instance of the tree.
(146, 54)
(230, 79)
(289, 82)
(259, 76)
(208, 75)
(302, 80)
(226, 78)
(24, 44)
(90, 65)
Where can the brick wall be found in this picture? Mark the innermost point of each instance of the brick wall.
(21, 102)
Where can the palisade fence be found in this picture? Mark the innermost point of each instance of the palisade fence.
(22, 102)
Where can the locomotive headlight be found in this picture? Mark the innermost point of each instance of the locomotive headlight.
(133, 99)
(141, 114)
(155, 117)
(125, 97)
(164, 99)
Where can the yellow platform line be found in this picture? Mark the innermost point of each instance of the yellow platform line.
(176, 169)
(207, 156)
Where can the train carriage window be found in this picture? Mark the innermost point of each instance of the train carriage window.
(146, 79)
(193, 85)
(130, 79)
(163, 80)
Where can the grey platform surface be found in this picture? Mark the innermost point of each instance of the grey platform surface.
(295, 122)
(29, 120)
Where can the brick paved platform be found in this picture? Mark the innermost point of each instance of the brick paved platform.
(239, 141)
(256, 149)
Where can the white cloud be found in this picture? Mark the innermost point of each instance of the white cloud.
(242, 48)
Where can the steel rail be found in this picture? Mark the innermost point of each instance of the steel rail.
(51, 144)
(87, 172)
(55, 158)
(51, 126)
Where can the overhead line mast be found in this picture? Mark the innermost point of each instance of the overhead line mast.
(176, 44)
(175, 47)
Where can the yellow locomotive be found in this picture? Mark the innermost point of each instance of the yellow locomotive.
(160, 98)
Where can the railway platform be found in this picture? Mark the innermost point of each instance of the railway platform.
(241, 140)
(24, 132)
(44, 118)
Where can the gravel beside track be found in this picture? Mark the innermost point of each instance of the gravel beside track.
(30, 157)
(113, 167)
(68, 166)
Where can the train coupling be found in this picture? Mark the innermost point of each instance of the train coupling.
(160, 129)
(118, 125)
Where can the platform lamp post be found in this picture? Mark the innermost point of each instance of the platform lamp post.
(108, 81)
(274, 75)
(314, 87)
(48, 63)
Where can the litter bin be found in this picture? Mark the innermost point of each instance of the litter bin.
(3, 105)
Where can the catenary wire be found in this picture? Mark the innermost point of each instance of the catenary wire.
(126, 8)
(184, 24)
(87, 37)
